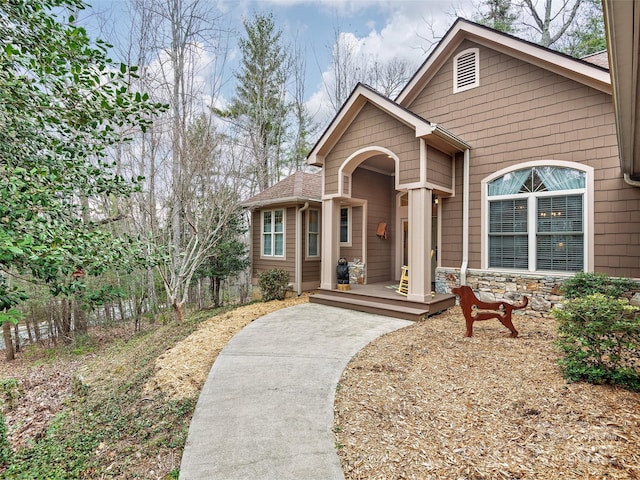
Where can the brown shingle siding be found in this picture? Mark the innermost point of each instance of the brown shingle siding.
(523, 113)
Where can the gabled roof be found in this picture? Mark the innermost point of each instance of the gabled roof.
(622, 26)
(363, 94)
(600, 59)
(565, 65)
(297, 188)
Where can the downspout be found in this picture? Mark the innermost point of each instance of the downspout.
(299, 249)
(629, 181)
(465, 219)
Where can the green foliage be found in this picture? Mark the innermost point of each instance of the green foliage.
(498, 14)
(10, 392)
(260, 106)
(273, 284)
(82, 344)
(6, 453)
(64, 103)
(587, 35)
(9, 297)
(588, 283)
(600, 339)
(229, 256)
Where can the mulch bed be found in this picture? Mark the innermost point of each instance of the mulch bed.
(425, 402)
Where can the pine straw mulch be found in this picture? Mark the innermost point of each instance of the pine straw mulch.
(424, 402)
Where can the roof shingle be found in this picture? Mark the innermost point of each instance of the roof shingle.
(299, 187)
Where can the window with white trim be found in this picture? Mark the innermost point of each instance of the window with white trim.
(536, 220)
(313, 233)
(466, 70)
(345, 226)
(273, 233)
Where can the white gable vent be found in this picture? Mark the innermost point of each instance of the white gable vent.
(466, 70)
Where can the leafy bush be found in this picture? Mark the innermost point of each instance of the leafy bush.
(600, 338)
(273, 284)
(5, 447)
(587, 283)
(9, 393)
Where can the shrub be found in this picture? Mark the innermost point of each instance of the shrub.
(9, 393)
(273, 284)
(600, 338)
(5, 447)
(587, 283)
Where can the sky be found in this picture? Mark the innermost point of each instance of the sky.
(384, 28)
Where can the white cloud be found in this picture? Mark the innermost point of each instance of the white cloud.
(404, 29)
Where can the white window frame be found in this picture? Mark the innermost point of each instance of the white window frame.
(346, 243)
(273, 233)
(587, 214)
(316, 233)
(474, 69)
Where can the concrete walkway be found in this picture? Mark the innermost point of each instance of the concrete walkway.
(266, 409)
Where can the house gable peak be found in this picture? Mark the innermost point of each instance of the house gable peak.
(588, 73)
(362, 95)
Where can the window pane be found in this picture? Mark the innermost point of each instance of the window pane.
(266, 222)
(278, 220)
(560, 242)
(266, 244)
(314, 224)
(313, 244)
(560, 253)
(344, 225)
(508, 216)
(510, 183)
(555, 178)
(560, 214)
(279, 244)
(509, 251)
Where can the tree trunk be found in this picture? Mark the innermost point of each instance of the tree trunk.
(215, 291)
(16, 333)
(65, 319)
(53, 324)
(30, 320)
(200, 300)
(123, 312)
(178, 311)
(9, 354)
(79, 316)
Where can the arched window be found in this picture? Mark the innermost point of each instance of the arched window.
(536, 219)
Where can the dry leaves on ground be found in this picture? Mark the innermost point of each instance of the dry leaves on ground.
(43, 389)
(426, 403)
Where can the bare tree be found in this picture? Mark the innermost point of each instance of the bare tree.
(189, 188)
(551, 23)
(303, 127)
(545, 22)
(349, 66)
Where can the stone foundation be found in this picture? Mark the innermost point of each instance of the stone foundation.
(543, 290)
(357, 272)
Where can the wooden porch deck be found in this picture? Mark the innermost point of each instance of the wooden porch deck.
(381, 299)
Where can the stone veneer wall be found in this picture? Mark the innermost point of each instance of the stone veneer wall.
(543, 290)
(357, 272)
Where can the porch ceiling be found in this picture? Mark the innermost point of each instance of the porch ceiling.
(379, 163)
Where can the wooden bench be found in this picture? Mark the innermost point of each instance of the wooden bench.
(474, 309)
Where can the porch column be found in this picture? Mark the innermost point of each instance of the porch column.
(420, 244)
(330, 243)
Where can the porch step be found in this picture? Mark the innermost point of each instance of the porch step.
(399, 308)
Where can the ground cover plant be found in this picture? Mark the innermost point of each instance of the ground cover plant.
(118, 405)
